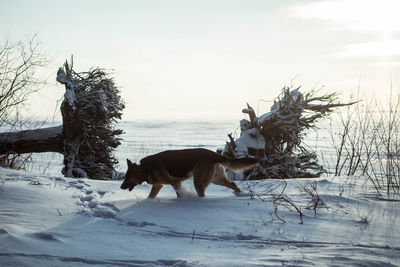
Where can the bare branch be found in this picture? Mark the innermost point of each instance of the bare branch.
(19, 62)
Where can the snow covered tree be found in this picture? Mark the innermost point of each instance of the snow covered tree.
(88, 137)
(276, 137)
(91, 107)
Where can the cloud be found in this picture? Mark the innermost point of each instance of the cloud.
(359, 15)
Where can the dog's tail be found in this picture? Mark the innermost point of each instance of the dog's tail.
(240, 164)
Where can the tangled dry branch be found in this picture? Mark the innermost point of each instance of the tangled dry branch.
(276, 137)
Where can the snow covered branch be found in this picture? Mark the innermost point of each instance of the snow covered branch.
(276, 137)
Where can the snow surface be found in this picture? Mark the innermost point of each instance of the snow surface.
(58, 221)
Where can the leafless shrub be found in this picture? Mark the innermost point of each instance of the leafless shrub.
(368, 144)
(315, 200)
(285, 201)
(19, 63)
(275, 194)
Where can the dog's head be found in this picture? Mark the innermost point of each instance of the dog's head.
(132, 176)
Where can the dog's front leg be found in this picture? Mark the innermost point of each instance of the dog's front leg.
(154, 190)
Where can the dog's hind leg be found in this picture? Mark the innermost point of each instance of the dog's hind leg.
(154, 190)
(177, 187)
(221, 179)
(202, 176)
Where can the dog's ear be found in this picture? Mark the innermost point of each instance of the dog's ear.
(130, 164)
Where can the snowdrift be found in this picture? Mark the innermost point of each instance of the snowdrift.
(58, 221)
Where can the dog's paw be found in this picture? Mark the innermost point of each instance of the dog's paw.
(241, 194)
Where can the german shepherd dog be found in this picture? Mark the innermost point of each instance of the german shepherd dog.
(174, 166)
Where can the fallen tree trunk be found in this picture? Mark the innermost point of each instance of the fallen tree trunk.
(32, 141)
(72, 133)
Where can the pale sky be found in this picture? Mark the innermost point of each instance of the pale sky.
(204, 59)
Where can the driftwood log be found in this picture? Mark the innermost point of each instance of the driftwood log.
(276, 137)
(32, 141)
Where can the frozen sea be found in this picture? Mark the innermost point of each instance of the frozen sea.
(141, 139)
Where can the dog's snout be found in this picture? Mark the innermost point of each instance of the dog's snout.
(124, 186)
(127, 185)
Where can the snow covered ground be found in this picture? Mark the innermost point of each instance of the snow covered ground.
(58, 221)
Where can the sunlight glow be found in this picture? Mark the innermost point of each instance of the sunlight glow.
(363, 15)
(385, 48)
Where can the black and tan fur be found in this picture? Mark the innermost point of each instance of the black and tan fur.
(174, 166)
